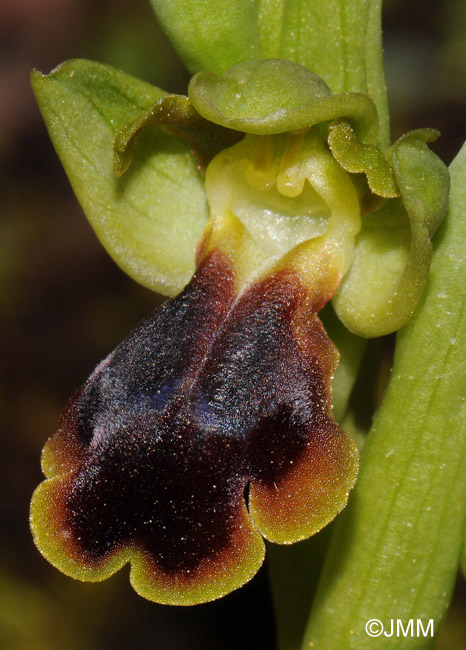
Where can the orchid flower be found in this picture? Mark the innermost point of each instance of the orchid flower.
(267, 191)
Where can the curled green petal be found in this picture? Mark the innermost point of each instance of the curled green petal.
(171, 109)
(176, 115)
(393, 252)
(150, 220)
(357, 157)
(275, 96)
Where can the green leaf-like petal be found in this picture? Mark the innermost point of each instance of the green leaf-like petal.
(176, 115)
(364, 301)
(150, 220)
(392, 257)
(210, 35)
(275, 96)
(357, 157)
(396, 547)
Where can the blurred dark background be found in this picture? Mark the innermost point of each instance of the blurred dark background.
(64, 305)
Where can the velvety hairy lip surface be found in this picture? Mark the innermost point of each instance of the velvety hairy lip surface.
(210, 394)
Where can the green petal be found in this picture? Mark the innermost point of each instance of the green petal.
(150, 220)
(392, 257)
(177, 116)
(275, 96)
(210, 35)
(357, 157)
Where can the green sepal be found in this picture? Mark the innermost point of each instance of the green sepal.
(357, 157)
(423, 178)
(277, 96)
(177, 116)
(393, 251)
(149, 221)
(210, 34)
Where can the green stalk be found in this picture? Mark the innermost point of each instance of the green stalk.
(396, 547)
(294, 570)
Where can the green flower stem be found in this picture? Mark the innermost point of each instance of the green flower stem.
(294, 574)
(395, 550)
(351, 349)
(294, 570)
